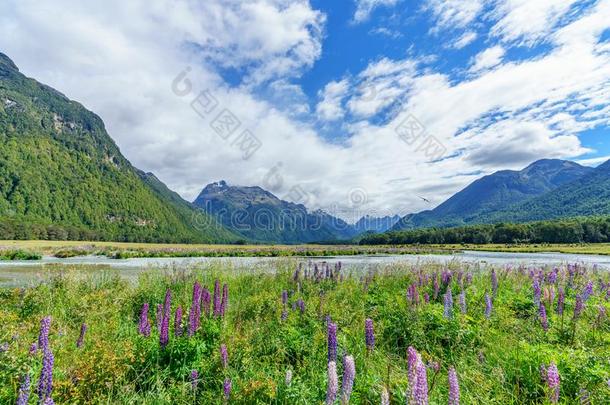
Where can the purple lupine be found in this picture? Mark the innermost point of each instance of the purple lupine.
(301, 305)
(421, 386)
(178, 321)
(333, 384)
(284, 297)
(587, 291)
(167, 312)
(462, 301)
(81, 337)
(284, 315)
(205, 301)
(332, 341)
(195, 310)
(159, 318)
(448, 301)
(347, 383)
(224, 356)
(216, 298)
(494, 282)
(436, 286)
(561, 297)
(288, 378)
(412, 357)
(369, 334)
(578, 307)
(24, 391)
(226, 388)
(385, 396)
(33, 348)
(412, 295)
(144, 326)
(45, 382)
(225, 300)
(543, 318)
(454, 387)
(488, 306)
(537, 292)
(43, 336)
(426, 298)
(194, 379)
(552, 381)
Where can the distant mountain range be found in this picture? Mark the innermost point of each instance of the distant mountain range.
(547, 189)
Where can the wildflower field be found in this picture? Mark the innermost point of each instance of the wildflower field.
(311, 333)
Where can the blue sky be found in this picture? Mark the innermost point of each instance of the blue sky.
(332, 90)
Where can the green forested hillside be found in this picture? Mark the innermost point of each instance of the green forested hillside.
(62, 176)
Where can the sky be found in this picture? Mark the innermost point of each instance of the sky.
(353, 106)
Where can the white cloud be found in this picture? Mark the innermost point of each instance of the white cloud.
(466, 39)
(329, 108)
(528, 21)
(454, 13)
(487, 59)
(364, 8)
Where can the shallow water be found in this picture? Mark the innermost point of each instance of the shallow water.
(23, 273)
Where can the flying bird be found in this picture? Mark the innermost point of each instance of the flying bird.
(425, 199)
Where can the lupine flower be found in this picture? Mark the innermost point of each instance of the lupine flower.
(178, 321)
(144, 326)
(462, 301)
(421, 386)
(436, 286)
(454, 387)
(543, 319)
(549, 295)
(369, 334)
(537, 292)
(301, 305)
(216, 298)
(284, 297)
(385, 396)
(588, 291)
(224, 356)
(333, 383)
(4, 347)
(167, 309)
(226, 387)
(543, 373)
(24, 391)
(494, 282)
(288, 379)
(225, 300)
(578, 307)
(81, 337)
(49, 401)
(347, 384)
(561, 297)
(601, 314)
(426, 298)
(194, 379)
(159, 317)
(284, 315)
(435, 366)
(488, 306)
(45, 382)
(205, 301)
(552, 380)
(33, 348)
(448, 298)
(195, 310)
(332, 342)
(412, 357)
(412, 295)
(43, 336)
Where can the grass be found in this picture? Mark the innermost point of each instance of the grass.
(497, 359)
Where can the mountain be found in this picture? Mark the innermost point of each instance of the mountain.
(258, 215)
(375, 224)
(63, 177)
(495, 193)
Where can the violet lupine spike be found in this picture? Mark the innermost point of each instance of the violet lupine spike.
(369, 334)
(195, 310)
(462, 301)
(454, 387)
(224, 356)
(560, 301)
(24, 391)
(144, 326)
(194, 379)
(333, 384)
(412, 357)
(543, 318)
(43, 336)
(587, 291)
(578, 307)
(385, 396)
(284, 297)
(33, 348)
(552, 380)
(488, 306)
(284, 315)
(421, 387)
(426, 298)
(347, 383)
(159, 318)
(332, 341)
(216, 299)
(178, 322)
(436, 286)
(288, 378)
(494, 282)
(225, 300)
(167, 312)
(226, 388)
(537, 292)
(205, 301)
(301, 305)
(81, 337)
(448, 303)
(45, 382)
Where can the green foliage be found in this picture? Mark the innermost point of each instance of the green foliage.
(19, 255)
(497, 359)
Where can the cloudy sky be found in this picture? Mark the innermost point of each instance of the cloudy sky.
(355, 105)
